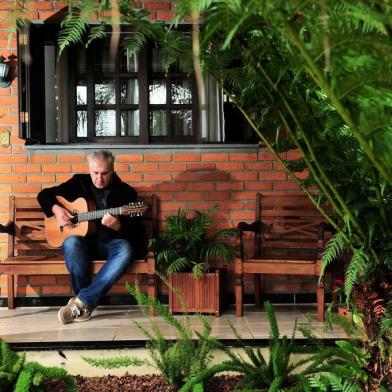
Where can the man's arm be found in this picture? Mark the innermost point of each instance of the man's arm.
(47, 197)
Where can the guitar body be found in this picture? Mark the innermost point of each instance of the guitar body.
(56, 235)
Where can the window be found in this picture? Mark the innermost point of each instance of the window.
(91, 95)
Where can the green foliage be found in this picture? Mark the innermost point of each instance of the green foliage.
(281, 371)
(333, 248)
(176, 361)
(348, 373)
(357, 264)
(189, 243)
(10, 365)
(315, 77)
(20, 376)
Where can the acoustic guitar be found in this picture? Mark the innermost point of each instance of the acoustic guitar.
(84, 214)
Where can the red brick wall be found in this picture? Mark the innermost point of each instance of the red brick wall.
(194, 179)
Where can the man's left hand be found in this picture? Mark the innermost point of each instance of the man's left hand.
(112, 222)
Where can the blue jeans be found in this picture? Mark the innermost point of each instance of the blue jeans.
(78, 253)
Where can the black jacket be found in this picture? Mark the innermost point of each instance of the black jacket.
(80, 185)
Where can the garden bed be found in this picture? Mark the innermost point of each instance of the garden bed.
(134, 383)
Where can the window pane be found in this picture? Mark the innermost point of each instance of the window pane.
(130, 123)
(129, 61)
(104, 92)
(102, 61)
(80, 58)
(157, 60)
(158, 123)
(181, 91)
(157, 92)
(81, 123)
(81, 92)
(105, 123)
(182, 122)
(129, 91)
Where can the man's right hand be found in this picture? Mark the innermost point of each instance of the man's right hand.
(63, 216)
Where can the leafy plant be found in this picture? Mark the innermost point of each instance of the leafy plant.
(316, 77)
(176, 361)
(21, 376)
(281, 371)
(188, 243)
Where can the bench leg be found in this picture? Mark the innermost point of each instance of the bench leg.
(321, 301)
(10, 291)
(239, 295)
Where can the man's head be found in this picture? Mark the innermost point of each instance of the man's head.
(101, 168)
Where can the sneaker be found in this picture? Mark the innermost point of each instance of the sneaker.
(75, 310)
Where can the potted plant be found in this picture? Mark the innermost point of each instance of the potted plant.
(188, 251)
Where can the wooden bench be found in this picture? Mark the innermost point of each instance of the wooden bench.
(30, 254)
(288, 239)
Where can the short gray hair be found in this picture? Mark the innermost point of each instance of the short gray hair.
(101, 155)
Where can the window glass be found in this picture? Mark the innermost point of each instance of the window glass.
(105, 92)
(80, 59)
(81, 92)
(181, 122)
(157, 60)
(130, 123)
(181, 91)
(105, 123)
(129, 91)
(157, 92)
(102, 60)
(81, 123)
(128, 61)
(158, 123)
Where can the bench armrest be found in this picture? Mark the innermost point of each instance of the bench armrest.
(256, 227)
(9, 228)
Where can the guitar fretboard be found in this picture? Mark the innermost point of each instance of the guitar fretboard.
(92, 215)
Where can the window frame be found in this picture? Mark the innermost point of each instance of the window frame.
(32, 41)
(143, 75)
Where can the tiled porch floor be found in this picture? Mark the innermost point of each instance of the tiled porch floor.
(114, 325)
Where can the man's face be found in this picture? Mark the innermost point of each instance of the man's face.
(101, 173)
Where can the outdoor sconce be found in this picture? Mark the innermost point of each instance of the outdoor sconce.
(5, 78)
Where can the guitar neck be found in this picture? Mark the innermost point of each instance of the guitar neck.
(93, 215)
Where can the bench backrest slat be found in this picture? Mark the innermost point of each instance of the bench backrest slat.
(293, 227)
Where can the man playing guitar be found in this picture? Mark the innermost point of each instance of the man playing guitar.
(116, 239)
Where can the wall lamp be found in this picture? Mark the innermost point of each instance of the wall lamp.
(5, 77)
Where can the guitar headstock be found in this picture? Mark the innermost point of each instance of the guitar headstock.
(137, 208)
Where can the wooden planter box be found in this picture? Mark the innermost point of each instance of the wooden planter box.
(206, 295)
(343, 311)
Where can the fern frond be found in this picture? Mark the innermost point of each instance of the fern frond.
(134, 41)
(333, 249)
(356, 267)
(73, 29)
(96, 32)
(272, 320)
